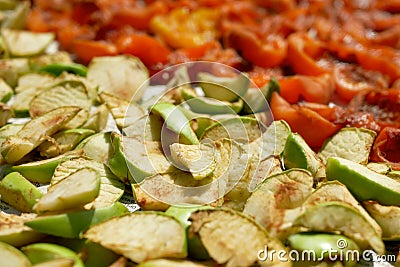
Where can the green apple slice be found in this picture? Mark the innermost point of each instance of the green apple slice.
(223, 88)
(387, 217)
(125, 113)
(63, 142)
(17, 18)
(18, 192)
(34, 133)
(11, 256)
(350, 143)
(22, 99)
(176, 121)
(12, 69)
(238, 237)
(199, 160)
(62, 262)
(156, 236)
(241, 129)
(57, 68)
(206, 105)
(74, 191)
(72, 224)
(14, 232)
(41, 171)
(362, 182)
(344, 219)
(320, 243)
(5, 91)
(44, 252)
(111, 188)
(21, 43)
(170, 263)
(122, 76)
(297, 154)
(147, 128)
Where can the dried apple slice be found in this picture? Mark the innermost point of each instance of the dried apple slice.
(63, 142)
(387, 217)
(350, 143)
(336, 191)
(362, 182)
(72, 224)
(241, 129)
(238, 238)
(125, 113)
(5, 91)
(199, 160)
(18, 192)
(34, 132)
(24, 43)
(14, 232)
(44, 252)
(121, 76)
(281, 194)
(298, 154)
(170, 263)
(344, 219)
(111, 188)
(11, 256)
(156, 236)
(135, 159)
(41, 171)
(74, 191)
(223, 88)
(65, 93)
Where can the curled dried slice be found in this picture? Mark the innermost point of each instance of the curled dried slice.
(387, 217)
(34, 132)
(156, 236)
(14, 232)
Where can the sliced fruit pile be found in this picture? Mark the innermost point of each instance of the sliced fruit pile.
(215, 185)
